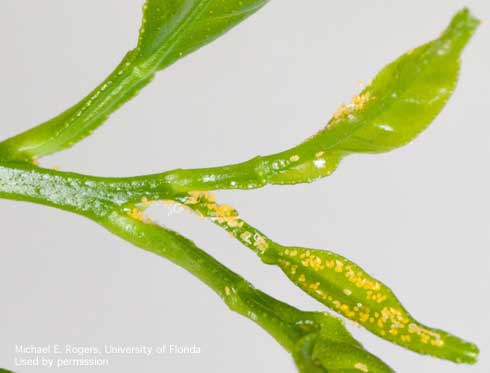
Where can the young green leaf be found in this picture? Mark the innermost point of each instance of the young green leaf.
(396, 107)
(339, 284)
(402, 100)
(170, 30)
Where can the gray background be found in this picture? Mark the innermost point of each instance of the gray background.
(417, 218)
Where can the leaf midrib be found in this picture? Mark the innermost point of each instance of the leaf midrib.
(177, 34)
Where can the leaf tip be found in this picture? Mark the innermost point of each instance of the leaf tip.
(461, 28)
(463, 352)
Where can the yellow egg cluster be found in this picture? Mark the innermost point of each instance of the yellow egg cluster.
(137, 214)
(357, 103)
(205, 203)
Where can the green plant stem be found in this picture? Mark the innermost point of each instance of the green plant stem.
(288, 325)
(381, 312)
(81, 119)
(237, 293)
(399, 104)
(20, 178)
(72, 193)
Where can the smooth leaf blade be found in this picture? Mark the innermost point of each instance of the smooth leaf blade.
(405, 96)
(172, 29)
(400, 103)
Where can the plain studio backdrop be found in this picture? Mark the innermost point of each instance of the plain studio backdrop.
(417, 218)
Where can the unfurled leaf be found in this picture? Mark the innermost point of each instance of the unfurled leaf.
(402, 100)
(174, 28)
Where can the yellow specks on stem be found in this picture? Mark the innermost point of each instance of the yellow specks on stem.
(311, 261)
(196, 197)
(339, 266)
(375, 296)
(224, 214)
(342, 278)
(245, 236)
(395, 323)
(363, 317)
(137, 214)
(405, 338)
(357, 103)
(260, 242)
(437, 342)
(205, 203)
(342, 111)
(347, 289)
(227, 291)
(362, 367)
(426, 336)
(361, 280)
(294, 158)
(315, 286)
